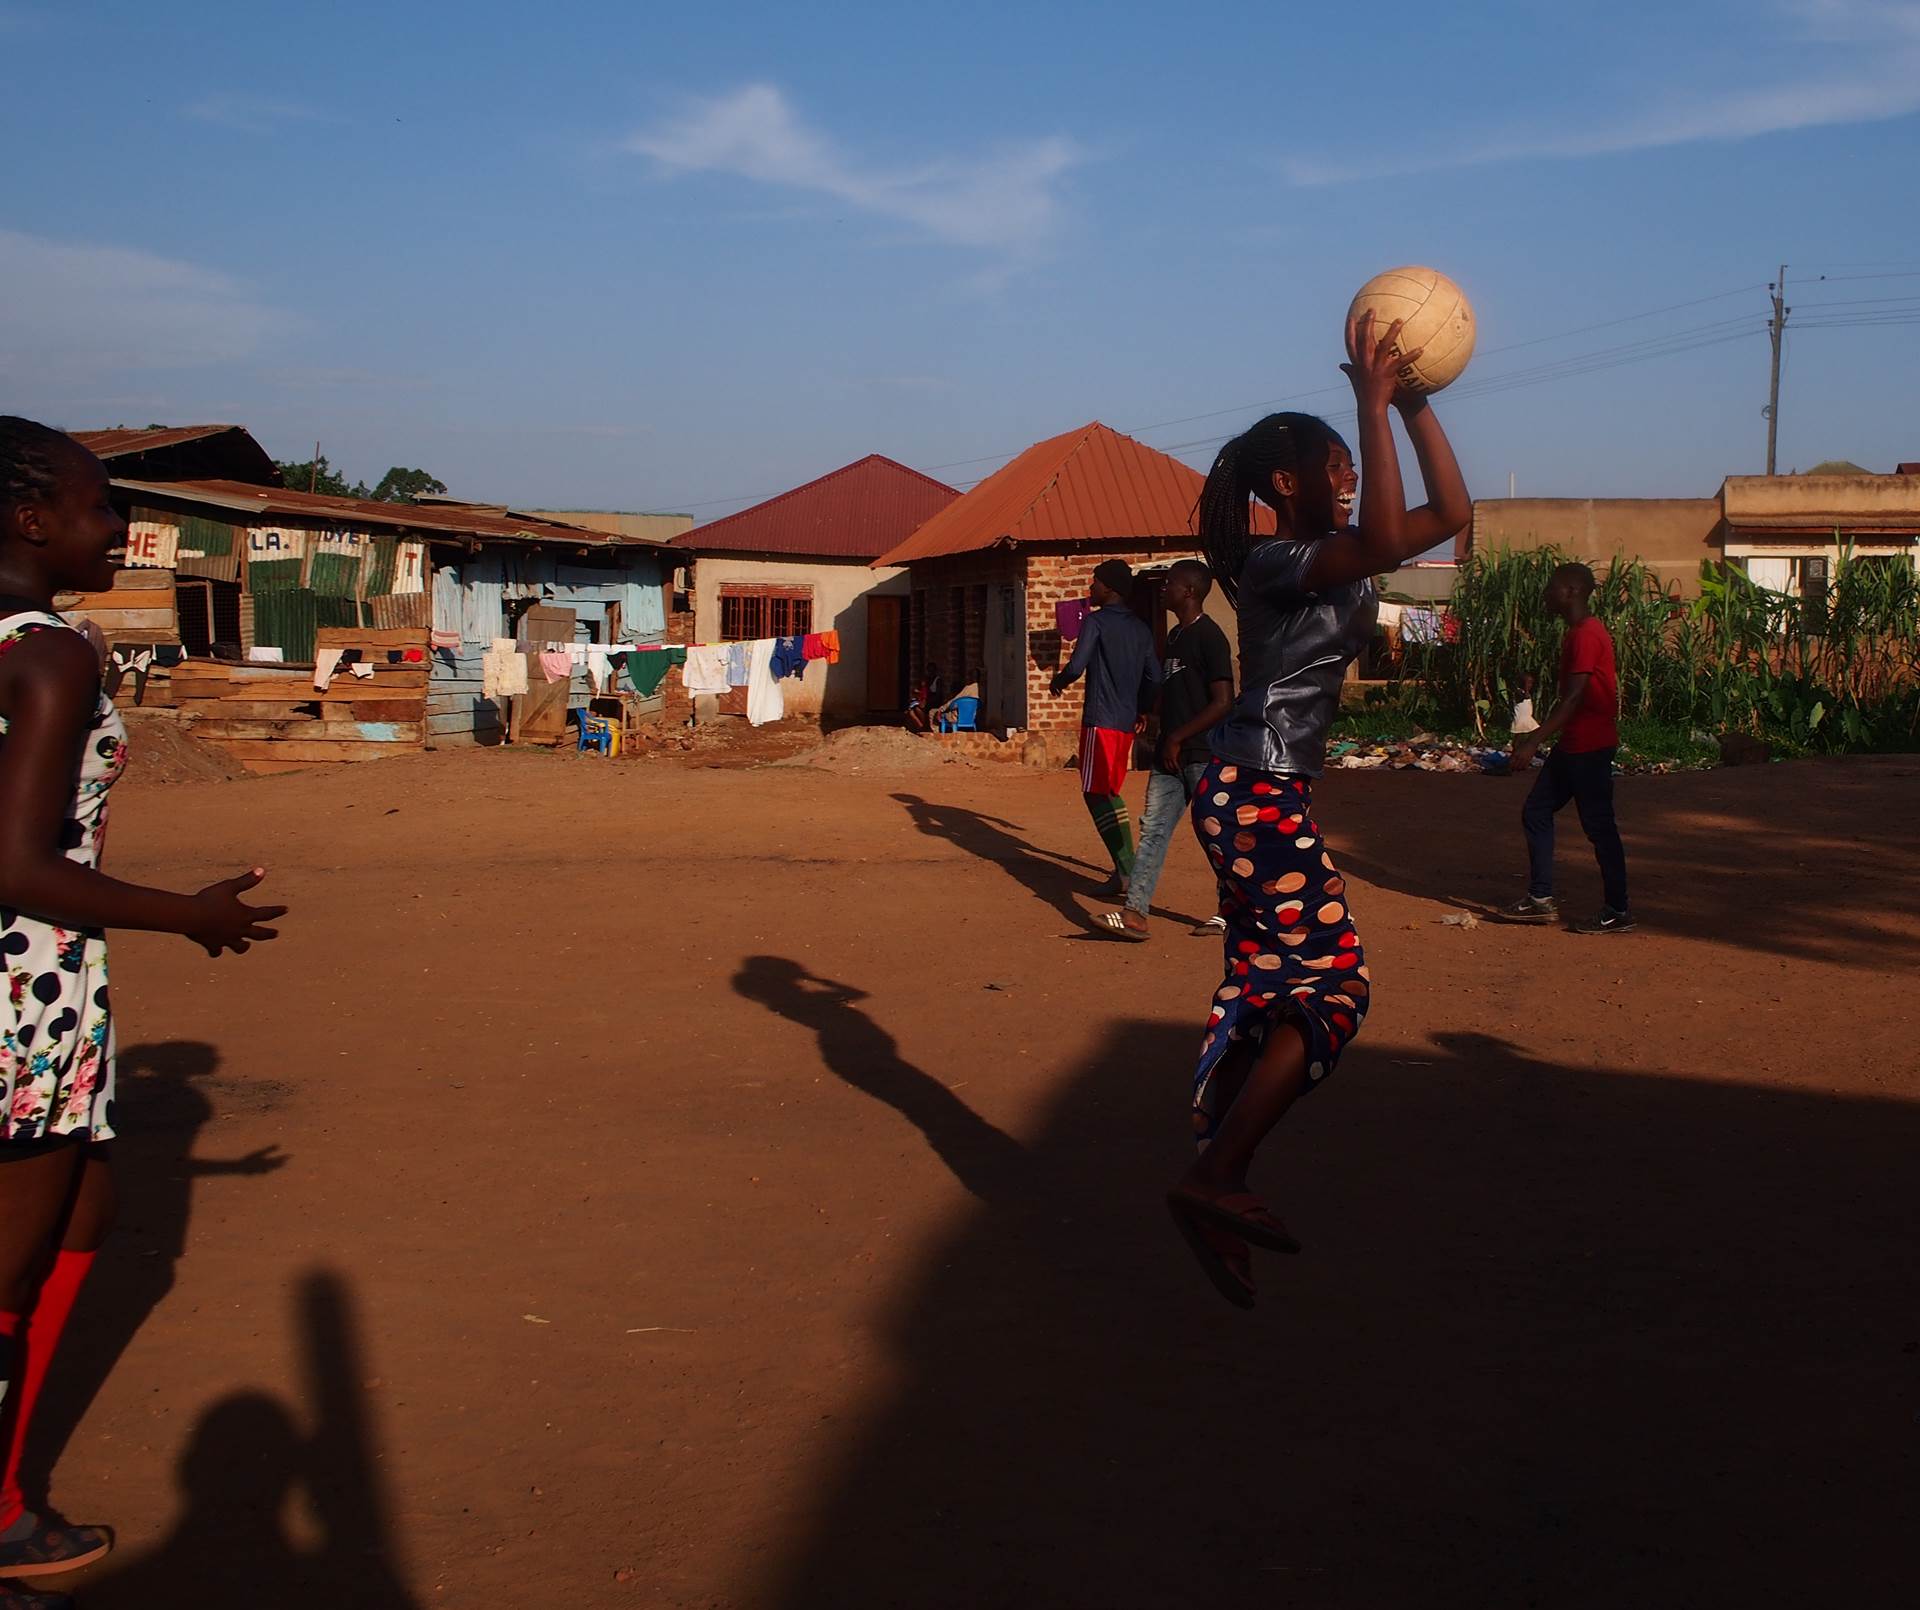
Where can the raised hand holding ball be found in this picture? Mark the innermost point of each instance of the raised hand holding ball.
(1435, 318)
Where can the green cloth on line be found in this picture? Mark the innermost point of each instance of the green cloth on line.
(647, 668)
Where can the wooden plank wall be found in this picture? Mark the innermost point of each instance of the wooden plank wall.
(142, 607)
(273, 719)
(458, 714)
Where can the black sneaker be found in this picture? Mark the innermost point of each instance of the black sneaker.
(1608, 922)
(1532, 908)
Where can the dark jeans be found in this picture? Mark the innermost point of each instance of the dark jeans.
(1587, 780)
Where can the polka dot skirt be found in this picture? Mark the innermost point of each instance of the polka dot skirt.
(56, 1027)
(1291, 949)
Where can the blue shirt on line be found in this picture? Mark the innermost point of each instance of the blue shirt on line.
(1115, 654)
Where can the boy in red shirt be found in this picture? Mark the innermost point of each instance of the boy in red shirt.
(1580, 765)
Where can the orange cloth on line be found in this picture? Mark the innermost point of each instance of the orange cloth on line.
(830, 641)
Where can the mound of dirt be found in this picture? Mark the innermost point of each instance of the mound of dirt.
(877, 749)
(164, 751)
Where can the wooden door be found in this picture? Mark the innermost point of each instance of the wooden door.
(886, 652)
(540, 714)
(1006, 656)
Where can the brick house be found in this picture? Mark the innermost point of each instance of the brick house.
(987, 571)
(809, 560)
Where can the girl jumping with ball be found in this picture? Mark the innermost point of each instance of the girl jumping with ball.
(1296, 987)
(62, 747)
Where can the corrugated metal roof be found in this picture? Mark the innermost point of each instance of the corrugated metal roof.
(1091, 484)
(425, 519)
(857, 512)
(118, 443)
(184, 453)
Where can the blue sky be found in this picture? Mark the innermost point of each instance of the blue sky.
(600, 255)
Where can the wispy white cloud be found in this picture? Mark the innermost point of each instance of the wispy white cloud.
(1006, 199)
(1861, 65)
(251, 114)
(73, 311)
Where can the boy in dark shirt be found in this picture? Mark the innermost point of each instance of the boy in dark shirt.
(1196, 692)
(1580, 765)
(1115, 655)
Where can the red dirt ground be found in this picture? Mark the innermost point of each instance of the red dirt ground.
(660, 1184)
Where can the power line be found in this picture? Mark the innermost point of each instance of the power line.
(1648, 348)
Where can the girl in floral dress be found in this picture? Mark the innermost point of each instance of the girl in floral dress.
(62, 746)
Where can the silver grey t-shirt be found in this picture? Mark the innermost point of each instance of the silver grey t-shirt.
(1295, 647)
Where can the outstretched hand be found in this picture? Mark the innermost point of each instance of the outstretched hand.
(1375, 367)
(222, 921)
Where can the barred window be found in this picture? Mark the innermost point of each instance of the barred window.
(747, 613)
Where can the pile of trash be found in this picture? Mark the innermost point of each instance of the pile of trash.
(1422, 752)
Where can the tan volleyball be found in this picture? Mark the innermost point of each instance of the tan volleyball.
(1439, 319)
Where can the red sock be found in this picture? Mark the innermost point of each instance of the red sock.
(38, 1336)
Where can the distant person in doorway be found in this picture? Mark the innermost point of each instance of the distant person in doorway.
(1115, 654)
(970, 689)
(1585, 732)
(1196, 692)
(62, 747)
(926, 695)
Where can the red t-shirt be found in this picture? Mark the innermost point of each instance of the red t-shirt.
(1589, 647)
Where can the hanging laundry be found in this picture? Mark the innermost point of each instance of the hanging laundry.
(361, 669)
(737, 654)
(764, 700)
(262, 654)
(415, 656)
(599, 666)
(325, 662)
(503, 670)
(830, 642)
(446, 640)
(1070, 616)
(813, 646)
(789, 657)
(706, 669)
(1420, 625)
(556, 665)
(647, 668)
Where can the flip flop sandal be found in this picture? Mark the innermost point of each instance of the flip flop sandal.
(1242, 1214)
(51, 1549)
(1112, 924)
(1236, 1287)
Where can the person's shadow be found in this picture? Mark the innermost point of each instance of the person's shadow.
(247, 1460)
(160, 1094)
(858, 1050)
(1047, 874)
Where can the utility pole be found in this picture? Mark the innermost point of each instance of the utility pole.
(313, 469)
(1776, 329)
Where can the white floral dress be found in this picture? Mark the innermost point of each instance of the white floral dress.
(56, 1027)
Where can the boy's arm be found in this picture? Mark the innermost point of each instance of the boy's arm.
(1075, 668)
(1563, 712)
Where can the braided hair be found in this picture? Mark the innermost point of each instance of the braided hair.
(31, 459)
(1244, 469)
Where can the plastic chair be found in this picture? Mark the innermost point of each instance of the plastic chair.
(596, 732)
(963, 717)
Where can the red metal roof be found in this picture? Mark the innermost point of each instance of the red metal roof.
(1091, 484)
(116, 443)
(857, 512)
(268, 502)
